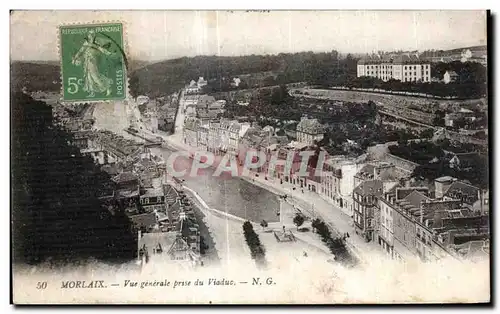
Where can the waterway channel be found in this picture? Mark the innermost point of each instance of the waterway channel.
(229, 194)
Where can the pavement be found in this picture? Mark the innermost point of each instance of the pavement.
(309, 202)
(316, 207)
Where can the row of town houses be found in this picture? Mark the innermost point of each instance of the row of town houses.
(376, 191)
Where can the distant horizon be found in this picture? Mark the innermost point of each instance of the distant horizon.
(268, 54)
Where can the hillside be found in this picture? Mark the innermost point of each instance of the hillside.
(45, 75)
(166, 77)
(35, 76)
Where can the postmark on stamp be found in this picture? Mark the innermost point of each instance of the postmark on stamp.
(93, 62)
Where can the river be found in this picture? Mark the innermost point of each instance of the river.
(228, 194)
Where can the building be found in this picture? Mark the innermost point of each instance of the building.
(217, 106)
(406, 210)
(468, 195)
(178, 237)
(411, 224)
(204, 101)
(207, 116)
(365, 198)
(236, 82)
(404, 68)
(214, 140)
(145, 222)
(192, 88)
(201, 82)
(224, 136)
(376, 170)
(337, 181)
(153, 199)
(127, 191)
(191, 100)
(190, 131)
(450, 77)
(475, 54)
(310, 131)
(190, 111)
(202, 134)
(142, 100)
(108, 147)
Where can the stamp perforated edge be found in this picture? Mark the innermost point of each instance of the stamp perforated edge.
(126, 48)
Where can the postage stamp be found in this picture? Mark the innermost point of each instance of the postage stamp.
(93, 62)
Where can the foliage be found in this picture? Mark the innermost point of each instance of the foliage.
(256, 248)
(420, 153)
(317, 68)
(477, 173)
(336, 245)
(56, 211)
(427, 133)
(439, 118)
(298, 220)
(468, 72)
(464, 89)
(203, 245)
(36, 76)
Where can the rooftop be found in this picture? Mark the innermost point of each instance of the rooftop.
(125, 177)
(415, 198)
(405, 58)
(156, 240)
(372, 187)
(191, 123)
(146, 220)
(444, 179)
(153, 191)
(460, 190)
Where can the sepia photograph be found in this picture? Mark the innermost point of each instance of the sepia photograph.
(283, 157)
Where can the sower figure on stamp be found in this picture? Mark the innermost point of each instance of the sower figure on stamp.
(94, 81)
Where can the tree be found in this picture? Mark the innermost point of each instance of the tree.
(264, 224)
(256, 249)
(203, 245)
(134, 86)
(298, 220)
(439, 118)
(427, 133)
(56, 212)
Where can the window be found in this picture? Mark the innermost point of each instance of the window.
(158, 199)
(146, 200)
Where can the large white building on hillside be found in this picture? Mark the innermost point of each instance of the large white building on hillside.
(404, 68)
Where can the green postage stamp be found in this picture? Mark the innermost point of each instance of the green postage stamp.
(93, 62)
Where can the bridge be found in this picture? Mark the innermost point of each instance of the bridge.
(148, 141)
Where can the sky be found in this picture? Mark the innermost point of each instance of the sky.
(160, 35)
